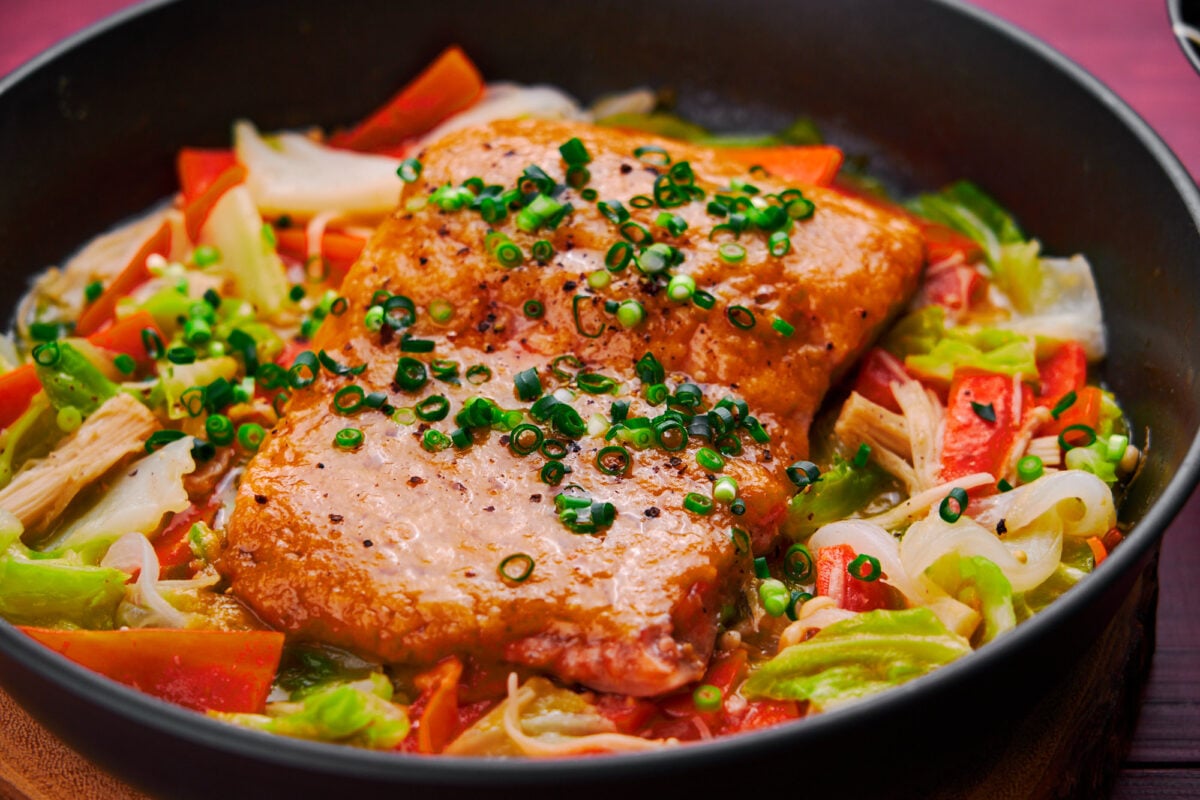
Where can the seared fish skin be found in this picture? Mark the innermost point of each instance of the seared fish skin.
(392, 550)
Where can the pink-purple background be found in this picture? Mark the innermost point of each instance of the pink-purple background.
(1128, 45)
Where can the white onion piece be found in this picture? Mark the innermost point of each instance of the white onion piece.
(914, 507)
(930, 539)
(134, 551)
(1081, 503)
(869, 539)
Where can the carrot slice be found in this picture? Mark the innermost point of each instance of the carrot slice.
(341, 248)
(449, 84)
(134, 274)
(439, 720)
(815, 165)
(1099, 552)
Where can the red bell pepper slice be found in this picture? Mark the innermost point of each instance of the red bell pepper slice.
(814, 165)
(876, 374)
(133, 275)
(954, 287)
(970, 443)
(125, 336)
(1063, 372)
(764, 714)
(199, 169)
(172, 545)
(449, 84)
(834, 580)
(17, 390)
(202, 670)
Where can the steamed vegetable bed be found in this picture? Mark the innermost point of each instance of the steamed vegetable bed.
(966, 475)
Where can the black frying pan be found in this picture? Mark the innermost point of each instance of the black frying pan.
(930, 90)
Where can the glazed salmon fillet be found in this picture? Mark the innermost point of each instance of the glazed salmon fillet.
(392, 548)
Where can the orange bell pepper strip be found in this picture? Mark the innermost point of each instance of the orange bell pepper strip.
(340, 249)
(1099, 551)
(133, 275)
(813, 165)
(1084, 411)
(17, 389)
(971, 443)
(125, 336)
(172, 546)
(197, 669)
(1063, 372)
(449, 84)
(438, 722)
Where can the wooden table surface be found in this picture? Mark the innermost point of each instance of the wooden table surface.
(1128, 45)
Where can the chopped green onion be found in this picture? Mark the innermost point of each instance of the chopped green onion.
(761, 570)
(153, 343)
(657, 393)
(444, 370)
(698, 503)
(552, 472)
(1068, 442)
(161, 438)
(348, 438)
(219, 429)
(630, 314)
(987, 412)
(731, 252)
(861, 456)
(594, 383)
(574, 152)
(671, 435)
(725, 490)
(865, 568)
(635, 232)
(1116, 447)
(681, 288)
(181, 355)
(508, 254)
(410, 374)
(589, 194)
(740, 317)
(68, 419)
(542, 251)
(205, 256)
(1003, 486)
(779, 243)
(92, 291)
(774, 596)
(656, 258)
(478, 374)
(441, 311)
(528, 384)
(783, 327)
(803, 474)
(707, 698)
(599, 279)
(1062, 405)
(709, 459)
(1029, 469)
(737, 507)
(798, 564)
(516, 567)
(613, 460)
(250, 436)
(533, 309)
(525, 439)
(652, 154)
(554, 449)
(741, 541)
(949, 513)
(613, 211)
(196, 331)
(434, 440)
(409, 170)
(575, 301)
(704, 299)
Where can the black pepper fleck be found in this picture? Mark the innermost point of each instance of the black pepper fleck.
(336, 518)
(652, 512)
(261, 499)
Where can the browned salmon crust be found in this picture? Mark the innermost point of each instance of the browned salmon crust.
(392, 551)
